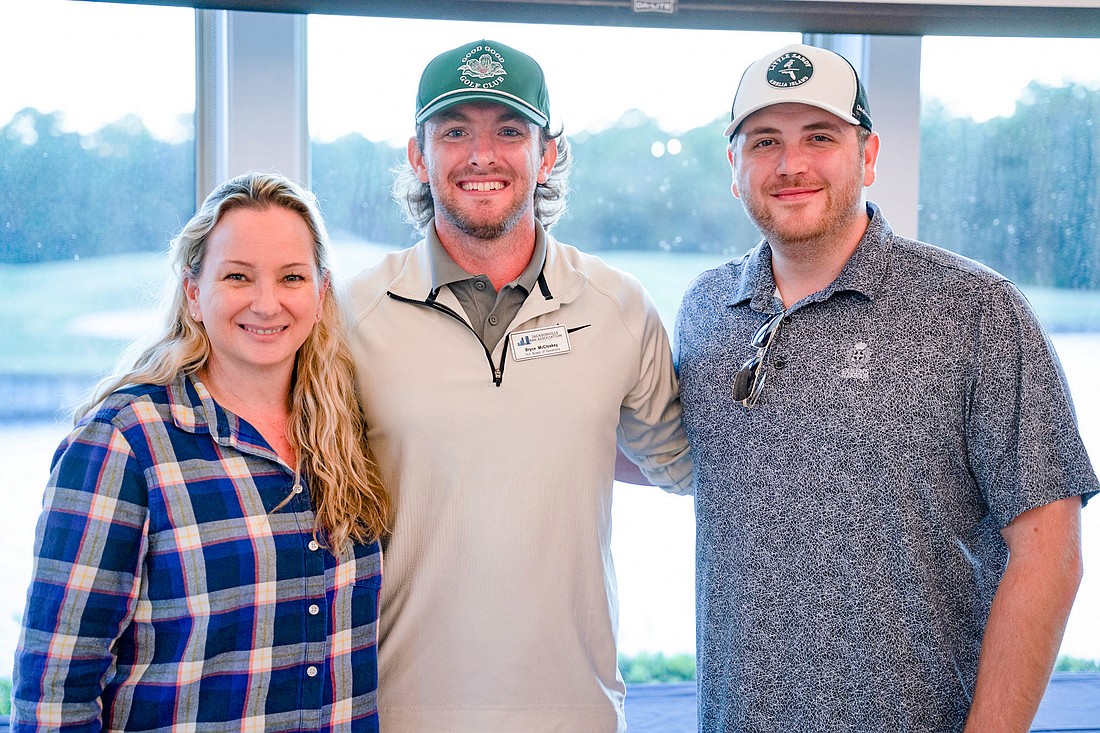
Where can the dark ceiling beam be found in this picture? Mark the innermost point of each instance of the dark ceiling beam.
(802, 16)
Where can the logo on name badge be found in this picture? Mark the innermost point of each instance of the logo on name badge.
(539, 342)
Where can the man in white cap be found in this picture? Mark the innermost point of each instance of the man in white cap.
(889, 476)
(498, 369)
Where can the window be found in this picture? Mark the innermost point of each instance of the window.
(96, 173)
(1010, 155)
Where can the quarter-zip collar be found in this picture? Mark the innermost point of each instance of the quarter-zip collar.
(556, 284)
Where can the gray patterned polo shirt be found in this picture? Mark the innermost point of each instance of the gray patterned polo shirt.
(848, 542)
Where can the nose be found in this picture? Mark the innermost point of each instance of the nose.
(482, 149)
(265, 300)
(792, 161)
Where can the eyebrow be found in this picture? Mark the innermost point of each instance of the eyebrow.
(827, 125)
(817, 125)
(243, 263)
(456, 115)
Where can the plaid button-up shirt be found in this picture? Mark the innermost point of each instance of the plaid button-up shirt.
(168, 595)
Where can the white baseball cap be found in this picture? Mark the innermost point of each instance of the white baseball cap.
(803, 75)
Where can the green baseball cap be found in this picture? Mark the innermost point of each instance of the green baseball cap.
(484, 71)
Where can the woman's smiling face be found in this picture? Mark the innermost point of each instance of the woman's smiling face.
(259, 292)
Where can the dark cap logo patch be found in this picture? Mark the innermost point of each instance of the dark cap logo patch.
(790, 70)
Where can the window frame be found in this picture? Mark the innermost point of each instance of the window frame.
(1071, 18)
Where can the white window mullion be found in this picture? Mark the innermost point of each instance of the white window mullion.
(252, 87)
(890, 69)
(210, 86)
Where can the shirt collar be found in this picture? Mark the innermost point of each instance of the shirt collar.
(755, 282)
(863, 273)
(445, 270)
(866, 269)
(194, 410)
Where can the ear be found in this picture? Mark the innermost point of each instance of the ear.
(870, 158)
(549, 158)
(416, 160)
(191, 293)
(733, 172)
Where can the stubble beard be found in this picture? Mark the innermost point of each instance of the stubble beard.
(802, 231)
(467, 223)
(484, 230)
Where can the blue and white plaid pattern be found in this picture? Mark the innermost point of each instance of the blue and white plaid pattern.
(167, 595)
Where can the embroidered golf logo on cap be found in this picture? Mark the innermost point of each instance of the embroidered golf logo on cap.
(488, 65)
(790, 70)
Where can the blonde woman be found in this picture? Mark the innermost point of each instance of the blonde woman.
(207, 557)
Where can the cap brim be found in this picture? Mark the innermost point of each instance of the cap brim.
(461, 96)
(731, 128)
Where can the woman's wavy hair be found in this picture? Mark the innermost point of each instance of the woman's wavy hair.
(415, 197)
(326, 422)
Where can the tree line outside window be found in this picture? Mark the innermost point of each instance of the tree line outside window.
(1017, 193)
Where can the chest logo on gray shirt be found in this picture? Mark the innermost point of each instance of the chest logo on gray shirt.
(859, 362)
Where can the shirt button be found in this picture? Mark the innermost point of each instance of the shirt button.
(311, 671)
(779, 363)
(479, 285)
(493, 320)
(297, 488)
(314, 609)
(313, 545)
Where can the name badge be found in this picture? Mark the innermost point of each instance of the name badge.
(540, 342)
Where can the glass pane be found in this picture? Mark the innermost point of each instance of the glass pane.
(96, 173)
(644, 112)
(1010, 156)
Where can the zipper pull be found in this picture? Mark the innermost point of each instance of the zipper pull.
(497, 377)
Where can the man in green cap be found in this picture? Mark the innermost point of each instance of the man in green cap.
(498, 370)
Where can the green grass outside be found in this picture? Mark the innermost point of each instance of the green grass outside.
(41, 304)
(647, 668)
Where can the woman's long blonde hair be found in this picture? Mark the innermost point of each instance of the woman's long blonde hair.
(326, 422)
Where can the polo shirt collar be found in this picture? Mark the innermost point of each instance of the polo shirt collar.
(755, 281)
(866, 269)
(863, 273)
(445, 270)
